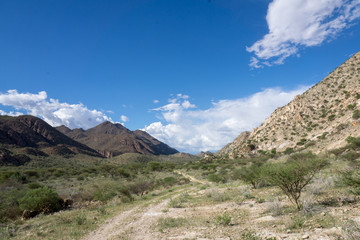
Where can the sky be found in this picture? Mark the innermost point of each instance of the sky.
(192, 73)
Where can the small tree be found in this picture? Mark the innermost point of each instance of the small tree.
(294, 175)
(250, 174)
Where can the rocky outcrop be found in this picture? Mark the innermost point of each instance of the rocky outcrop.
(320, 119)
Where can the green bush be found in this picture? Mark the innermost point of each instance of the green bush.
(356, 114)
(141, 186)
(224, 219)
(353, 142)
(34, 185)
(331, 117)
(352, 179)
(217, 178)
(154, 166)
(251, 174)
(166, 182)
(294, 175)
(288, 150)
(41, 200)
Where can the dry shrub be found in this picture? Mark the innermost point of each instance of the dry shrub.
(274, 207)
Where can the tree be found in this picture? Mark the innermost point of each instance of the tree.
(294, 175)
(250, 174)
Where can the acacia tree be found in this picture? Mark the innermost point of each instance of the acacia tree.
(294, 175)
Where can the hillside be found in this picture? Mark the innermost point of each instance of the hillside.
(320, 119)
(36, 137)
(111, 139)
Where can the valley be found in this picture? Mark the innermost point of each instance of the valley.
(296, 176)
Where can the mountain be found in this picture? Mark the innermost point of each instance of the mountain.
(320, 119)
(36, 137)
(111, 139)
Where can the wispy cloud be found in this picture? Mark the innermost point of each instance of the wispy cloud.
(189, 129)
(51, 110)
(301, 23)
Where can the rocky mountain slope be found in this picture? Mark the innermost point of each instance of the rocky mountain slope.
(35, 137)
(320, 119)
(114, 139)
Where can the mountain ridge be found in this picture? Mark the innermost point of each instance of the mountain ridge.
(27, 131)
(112, 139)
(320, 119)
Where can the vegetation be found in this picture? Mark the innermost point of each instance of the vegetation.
(294, 175)
(41, 200)
(250, 174)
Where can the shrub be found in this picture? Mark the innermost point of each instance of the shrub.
(34, 185)
(141, 186)
(154, 166)
(351, 106)
(353, 142)
(123, 172)
(218, 178)
(356, 114)
(352, 179)
(224, 219)
(331, 117)
(251, 174)
(216, 195)
(288, 150)
(351, 156)
(294, 175)
(41, 200)
(274, 208)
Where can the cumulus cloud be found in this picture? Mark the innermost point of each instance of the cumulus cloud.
(189, 129)
(156, 101)
(124, 118)
(301, 23)
(51, 110)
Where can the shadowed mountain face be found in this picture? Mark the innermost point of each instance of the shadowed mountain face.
(319, 120)
(32, 132)
(114, 139)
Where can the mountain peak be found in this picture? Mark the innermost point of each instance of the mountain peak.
(111, 139)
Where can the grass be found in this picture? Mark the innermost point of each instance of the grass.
(169, 222)
(203, 205)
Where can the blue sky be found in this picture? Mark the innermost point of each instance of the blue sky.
(193, 73)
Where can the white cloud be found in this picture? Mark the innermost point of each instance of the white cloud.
(156, 101)
(51, 110)
(296, 23)
(124, 118)
(13, 114)
(194, 130)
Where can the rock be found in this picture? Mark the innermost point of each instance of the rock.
(305, 236)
